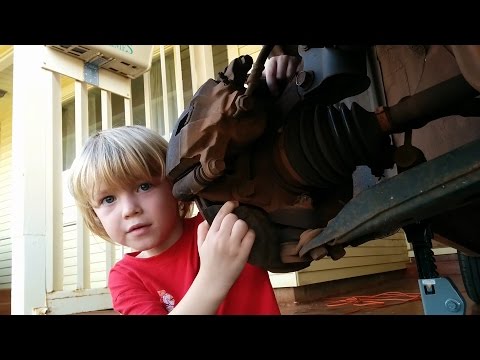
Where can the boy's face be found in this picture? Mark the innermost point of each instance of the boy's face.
(143, 216)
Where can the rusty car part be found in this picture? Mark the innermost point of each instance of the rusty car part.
(289, 161)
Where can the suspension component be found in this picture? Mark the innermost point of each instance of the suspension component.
(420, 236)
(323, 145)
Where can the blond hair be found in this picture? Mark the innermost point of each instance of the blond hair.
(117, 158)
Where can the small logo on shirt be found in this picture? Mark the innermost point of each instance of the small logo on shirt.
(167, 300)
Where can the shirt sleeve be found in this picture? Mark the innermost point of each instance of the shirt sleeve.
(130, 297)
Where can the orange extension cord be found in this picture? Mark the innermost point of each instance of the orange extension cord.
(374, 301)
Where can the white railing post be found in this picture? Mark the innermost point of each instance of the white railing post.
(83, 234)
(178, 79)
(201, 62)
(128, 111)
(106, 99)
(163, 70)
(147, 91)
(54, 197)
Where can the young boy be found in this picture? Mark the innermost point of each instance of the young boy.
(181, 265)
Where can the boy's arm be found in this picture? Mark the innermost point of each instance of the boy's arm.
(224, 249)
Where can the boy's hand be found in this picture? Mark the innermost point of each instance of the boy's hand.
(224, 247)
(279, 70)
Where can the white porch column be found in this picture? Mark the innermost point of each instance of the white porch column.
(32, 111)
(201, 62)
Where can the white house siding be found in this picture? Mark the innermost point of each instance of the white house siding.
(252, 50)
(5, 192)
(6, 73)
(220, 58)
(376, 256)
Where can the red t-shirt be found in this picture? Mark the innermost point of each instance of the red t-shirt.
(155, 285)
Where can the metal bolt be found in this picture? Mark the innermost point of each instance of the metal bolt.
(215, 167)
(304, 79)
(452, 305)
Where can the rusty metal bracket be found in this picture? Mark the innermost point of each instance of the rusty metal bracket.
(448, 182)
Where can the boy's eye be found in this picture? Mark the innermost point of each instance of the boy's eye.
(145, 187)
(108, 200)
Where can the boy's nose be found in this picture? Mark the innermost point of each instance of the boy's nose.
(131, 208)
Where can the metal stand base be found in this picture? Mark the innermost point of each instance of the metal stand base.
(441, 297)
